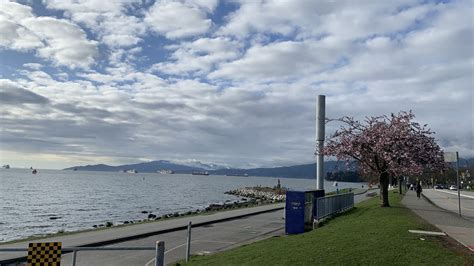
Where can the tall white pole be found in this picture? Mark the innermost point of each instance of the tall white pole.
(320, 128)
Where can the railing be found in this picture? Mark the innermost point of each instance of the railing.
(159, 251)
(330, 205)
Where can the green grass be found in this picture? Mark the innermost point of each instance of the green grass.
(368, 234)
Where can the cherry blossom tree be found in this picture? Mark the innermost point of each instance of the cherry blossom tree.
(386, 146)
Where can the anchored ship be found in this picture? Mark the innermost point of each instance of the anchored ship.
(165, 172)
(200, 173)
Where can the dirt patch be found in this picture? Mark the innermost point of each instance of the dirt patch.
(451, 244)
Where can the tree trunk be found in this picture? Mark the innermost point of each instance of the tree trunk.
(384, 180)
(400, 185)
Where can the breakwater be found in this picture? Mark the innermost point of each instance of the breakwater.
(264, 194)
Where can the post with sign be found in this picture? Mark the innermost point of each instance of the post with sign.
(453, 157)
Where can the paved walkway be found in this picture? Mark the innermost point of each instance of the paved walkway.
(459, 228)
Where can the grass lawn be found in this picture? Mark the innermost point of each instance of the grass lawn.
(368, 234)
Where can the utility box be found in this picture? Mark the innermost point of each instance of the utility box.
(300, 210)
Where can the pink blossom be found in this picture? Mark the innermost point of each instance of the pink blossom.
(386, 146)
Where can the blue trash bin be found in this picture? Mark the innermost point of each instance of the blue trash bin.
(299, 210)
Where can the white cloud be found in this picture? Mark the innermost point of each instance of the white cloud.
(199, 57)
(57, 40)
(338, 22)
(65, 43)
(110, 20)
(207, 5)
(34, 66)
(279, 60)
(177, 20)
(14, 35)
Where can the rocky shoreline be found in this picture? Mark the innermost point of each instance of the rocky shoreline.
(248, 197)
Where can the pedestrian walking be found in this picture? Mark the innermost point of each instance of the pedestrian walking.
(418, 190)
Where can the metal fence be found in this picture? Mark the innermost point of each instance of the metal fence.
(159, 251)
(330, 205)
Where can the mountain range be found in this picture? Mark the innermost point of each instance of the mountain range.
(295, 171)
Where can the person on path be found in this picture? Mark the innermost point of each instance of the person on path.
(418, 190)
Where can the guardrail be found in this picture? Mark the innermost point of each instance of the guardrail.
(330, 205)
(159, 251)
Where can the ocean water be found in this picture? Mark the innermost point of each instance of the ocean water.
(81, 199)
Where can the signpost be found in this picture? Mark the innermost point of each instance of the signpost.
(453, 157)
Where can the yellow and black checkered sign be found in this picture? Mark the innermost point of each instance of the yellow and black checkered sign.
(42, 254)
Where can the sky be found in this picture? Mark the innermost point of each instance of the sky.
(227, 82)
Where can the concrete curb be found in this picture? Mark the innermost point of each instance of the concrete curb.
(367, 190)
(360, 193)
(151, 233)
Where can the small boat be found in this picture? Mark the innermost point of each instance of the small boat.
(246, 175)
(6, 166)
(130, 171)
(200, 173)
(165, 172)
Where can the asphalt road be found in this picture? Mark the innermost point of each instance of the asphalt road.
(448, 200)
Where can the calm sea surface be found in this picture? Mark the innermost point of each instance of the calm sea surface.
(82, 199)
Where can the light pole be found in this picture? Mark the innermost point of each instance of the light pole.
(320, 128)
